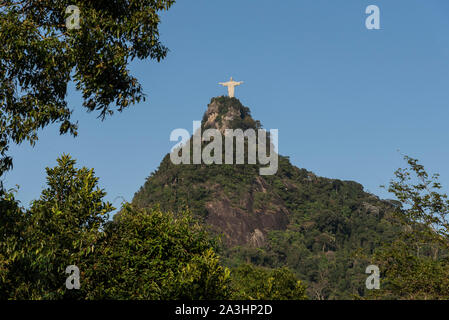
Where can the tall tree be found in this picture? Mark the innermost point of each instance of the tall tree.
(416, 264)
(13, 221)
(142, 254)
(60, 229)
(150, 254)
(257, 283)
(43, 49)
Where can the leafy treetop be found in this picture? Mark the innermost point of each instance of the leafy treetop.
(39, 56)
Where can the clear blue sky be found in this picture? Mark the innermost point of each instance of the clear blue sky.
(344, 98)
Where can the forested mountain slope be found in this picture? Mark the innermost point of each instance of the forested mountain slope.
(316, 226)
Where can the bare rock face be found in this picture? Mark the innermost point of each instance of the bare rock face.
(257, 238)
(370, 209)
(228, 113)
(220, 117)
(244, 226)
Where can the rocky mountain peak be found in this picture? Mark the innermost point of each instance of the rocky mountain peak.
(228, 113)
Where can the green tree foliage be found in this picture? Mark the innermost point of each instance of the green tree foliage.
(329, 220)
(150, 254)
(142, 254)
(257, 283)
(416, 264)
(39, 56)
(60, 229)
(12, 223)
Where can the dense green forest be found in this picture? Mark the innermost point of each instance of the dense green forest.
(225, 232)
(191, 231)
(158, 254)
(334, 230)
(142, 254)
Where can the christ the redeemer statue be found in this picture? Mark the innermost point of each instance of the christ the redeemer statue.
(231, 86)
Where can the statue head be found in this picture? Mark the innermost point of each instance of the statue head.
(231, 79)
